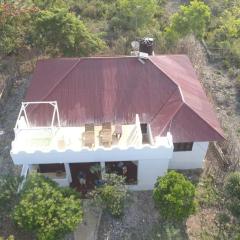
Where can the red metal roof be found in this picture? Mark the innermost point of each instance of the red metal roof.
(164, 91)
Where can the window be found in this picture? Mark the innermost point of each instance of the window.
(55, 167)
(186, 146)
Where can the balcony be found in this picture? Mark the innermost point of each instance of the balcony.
(64, 138)
(84, 143)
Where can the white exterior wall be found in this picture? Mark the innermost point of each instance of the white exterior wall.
(152, 161)
(98, 155)
(148, 171)
(189, 159)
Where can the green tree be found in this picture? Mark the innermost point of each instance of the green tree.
(131, 15)
(60, 32)
(46, 209)
(13, 27)
(224, 34)
(112, 194)
(232, 193)
(192, 18)
(46, 4)
(174, 196)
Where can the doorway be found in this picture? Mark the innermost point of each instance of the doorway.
(85, 175)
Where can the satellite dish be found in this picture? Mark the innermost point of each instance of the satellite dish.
(135, 45)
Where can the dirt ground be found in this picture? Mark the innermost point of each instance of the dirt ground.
(140, 221)
(8, 117)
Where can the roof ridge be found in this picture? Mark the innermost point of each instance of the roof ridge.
(164, 72)
(61, 79)
(170, 120)
(159, 110)
(187, 105)
(93, 57)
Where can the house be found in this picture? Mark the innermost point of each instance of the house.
(138, 116)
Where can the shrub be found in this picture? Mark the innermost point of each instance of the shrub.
(232, 193)
(46, 209)
(111, 194)
(207, 193)
(11, 237)
(174, 196)
(8, 192)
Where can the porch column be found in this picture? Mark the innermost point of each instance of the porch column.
(103, 169)
(68, 172)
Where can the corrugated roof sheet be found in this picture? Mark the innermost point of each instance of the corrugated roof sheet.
(164, 91)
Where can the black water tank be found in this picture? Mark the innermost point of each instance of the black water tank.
(146, 45)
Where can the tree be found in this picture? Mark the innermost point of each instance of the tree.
(174, 196)
(131, 15)
(232, 193)
(111, 195)
(46, 4)
(192, 18)
(13, 27)
(60, 32)
(46, 209)
(224, 34)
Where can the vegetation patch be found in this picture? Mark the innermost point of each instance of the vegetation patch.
(46, 209)
(111, 194)
(174, 196)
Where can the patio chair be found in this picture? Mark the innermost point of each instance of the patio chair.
(105, 135)
(89, 136)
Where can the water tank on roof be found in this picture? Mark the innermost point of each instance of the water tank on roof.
(146, 45)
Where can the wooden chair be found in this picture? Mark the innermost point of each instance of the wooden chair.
(105, 134)
(89, 136)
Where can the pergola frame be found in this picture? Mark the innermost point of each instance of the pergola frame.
(23, 112)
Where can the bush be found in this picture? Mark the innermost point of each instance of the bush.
(174, 196)
(8, 192)
(46, 209)
(11, 237)
(232, 193)
(111, 194)
(207, 194)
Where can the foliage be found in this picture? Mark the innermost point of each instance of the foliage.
(47, 4)
(174, 196)
(46, 209)
(111, 195)
(11, 237)
(168, 230)
(224, 34)
(192, 18)
(59, 31)
(13, 27)
(131, 15)
(8, 192)
(232, 193)
(207, 193)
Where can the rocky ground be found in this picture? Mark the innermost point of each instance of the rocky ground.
(8, 116)
(224, 92)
